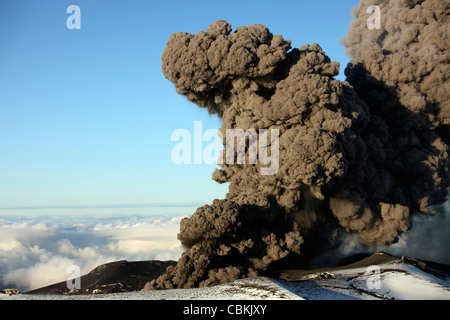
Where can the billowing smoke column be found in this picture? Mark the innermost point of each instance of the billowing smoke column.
(361, 156)
(402, 72)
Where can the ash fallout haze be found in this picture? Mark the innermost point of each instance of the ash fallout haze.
(342, 107)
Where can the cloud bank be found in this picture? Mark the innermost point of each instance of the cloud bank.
(36, 252)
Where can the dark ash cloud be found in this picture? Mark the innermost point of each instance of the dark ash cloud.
(362, 156)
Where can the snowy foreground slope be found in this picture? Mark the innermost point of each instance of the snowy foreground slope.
(392, 279)
(248, 289)
(377, 277)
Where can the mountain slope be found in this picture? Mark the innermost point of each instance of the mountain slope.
(114, 277)
(377, 277)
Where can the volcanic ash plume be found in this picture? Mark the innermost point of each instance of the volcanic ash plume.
(402, 71)
(359, 157)
(408, 58)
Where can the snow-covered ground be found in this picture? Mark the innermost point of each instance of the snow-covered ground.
(394, 280)
(390, 278)
(246, 289)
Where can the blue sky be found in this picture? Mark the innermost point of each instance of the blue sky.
(86, 116)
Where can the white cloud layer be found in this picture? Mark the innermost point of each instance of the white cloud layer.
(36, 252)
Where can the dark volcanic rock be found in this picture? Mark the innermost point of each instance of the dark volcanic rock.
(120, 276)
(379, 258)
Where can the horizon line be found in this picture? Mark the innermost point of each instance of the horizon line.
(109, 206)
